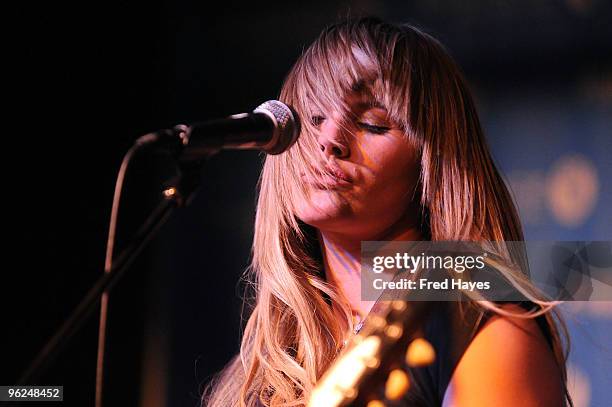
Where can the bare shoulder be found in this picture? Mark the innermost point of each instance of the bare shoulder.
(508, 363)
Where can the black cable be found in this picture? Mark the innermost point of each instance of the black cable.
(108, 262)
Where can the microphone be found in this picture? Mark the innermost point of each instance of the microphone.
(272, 127)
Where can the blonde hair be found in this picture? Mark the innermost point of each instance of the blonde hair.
(292, 335)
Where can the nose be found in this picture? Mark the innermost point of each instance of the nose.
(332, 141)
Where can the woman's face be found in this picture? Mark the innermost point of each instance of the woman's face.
(375, 171)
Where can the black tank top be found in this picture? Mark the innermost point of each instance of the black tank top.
(450, 328)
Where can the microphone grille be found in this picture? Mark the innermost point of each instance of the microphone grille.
(286, 123)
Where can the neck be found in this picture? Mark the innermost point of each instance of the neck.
(342, 260)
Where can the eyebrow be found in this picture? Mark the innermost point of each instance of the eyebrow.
(370, 104)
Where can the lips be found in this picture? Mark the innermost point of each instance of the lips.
(338, 173)
(333, 178)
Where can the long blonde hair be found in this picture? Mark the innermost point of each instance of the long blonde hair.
(292, 335)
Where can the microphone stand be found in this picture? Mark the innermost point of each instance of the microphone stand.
(177, 194)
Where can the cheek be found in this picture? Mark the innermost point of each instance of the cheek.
(395, 176)
(397, 167)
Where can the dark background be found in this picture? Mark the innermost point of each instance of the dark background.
(85, 80)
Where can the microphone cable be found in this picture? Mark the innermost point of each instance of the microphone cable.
(140, 143)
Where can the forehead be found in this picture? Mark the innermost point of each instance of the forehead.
(358, 98)
(363, 94)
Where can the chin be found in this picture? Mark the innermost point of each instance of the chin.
(323, 208)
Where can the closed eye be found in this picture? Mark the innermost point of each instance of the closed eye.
(317, 120)
(371, 128)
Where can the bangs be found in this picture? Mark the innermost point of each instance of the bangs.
(373, 62)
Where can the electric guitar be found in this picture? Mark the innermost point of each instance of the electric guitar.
(371, 366)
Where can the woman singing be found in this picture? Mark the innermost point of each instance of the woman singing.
(391, 148)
